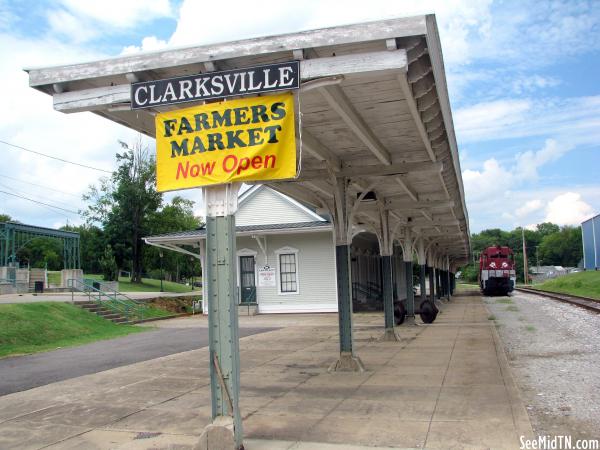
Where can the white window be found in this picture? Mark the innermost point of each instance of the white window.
(287, 275)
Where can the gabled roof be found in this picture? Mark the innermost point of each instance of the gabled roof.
(245, 197)
(200, 234)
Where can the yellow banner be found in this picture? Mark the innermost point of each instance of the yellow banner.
(249, 139)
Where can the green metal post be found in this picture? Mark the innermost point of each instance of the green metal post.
(223, 320)
(422, 280)
(388, 292)
(437, 284)
(431, 285)
(342, 261)
(410, 295)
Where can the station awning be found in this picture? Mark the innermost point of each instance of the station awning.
(374, 109)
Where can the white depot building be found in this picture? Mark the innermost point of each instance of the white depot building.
(286, 257)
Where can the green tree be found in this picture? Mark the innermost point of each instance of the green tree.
(175, 216)
(563, 248)
(124, 204)
(546, 228)
(92, 243)
(5, 218)
(108, 265)
(42, 253)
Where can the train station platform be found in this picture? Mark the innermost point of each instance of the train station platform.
(446, 385)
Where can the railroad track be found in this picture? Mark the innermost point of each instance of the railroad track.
(584, 302)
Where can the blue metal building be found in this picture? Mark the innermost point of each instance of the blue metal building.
(590, 231)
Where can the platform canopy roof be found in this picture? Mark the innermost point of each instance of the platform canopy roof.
(374, 109)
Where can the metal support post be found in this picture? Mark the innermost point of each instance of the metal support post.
(438, 288)
(442, 283)
(423, 274)
(226, 428)
(431, 284)
(448, 285)
(410, 295)
(342, 260)
(347, 361)
(388, 298)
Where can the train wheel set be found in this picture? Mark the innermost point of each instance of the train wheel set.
(427, 311)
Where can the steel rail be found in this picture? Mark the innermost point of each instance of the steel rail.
(588, 303)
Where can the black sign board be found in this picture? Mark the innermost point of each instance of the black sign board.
(227, 83)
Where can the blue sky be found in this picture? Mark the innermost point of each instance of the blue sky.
(523, 81)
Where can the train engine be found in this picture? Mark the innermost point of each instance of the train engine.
(497, 274)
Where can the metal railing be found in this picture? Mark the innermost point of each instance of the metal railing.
(117, 302)
(370, 290)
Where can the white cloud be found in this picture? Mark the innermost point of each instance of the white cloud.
(81, 21)
(568, 209)
(529, 161)
(66, 24)
(575, 120)
(487, 184)
(149, 44)
(528, 208)
(483, 119)
(119, 13)
(528, 83)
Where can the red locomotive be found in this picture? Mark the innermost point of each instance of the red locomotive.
(497, 270)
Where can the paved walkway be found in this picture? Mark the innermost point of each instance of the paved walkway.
(19, 373)
(447, 385)
(78, 296)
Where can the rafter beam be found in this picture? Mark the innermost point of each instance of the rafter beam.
(337, 99)
(376, 170)
(311, 145)
(416, 115)
(409, 190)
(426, 205)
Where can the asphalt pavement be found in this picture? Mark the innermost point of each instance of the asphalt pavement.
(20, 373)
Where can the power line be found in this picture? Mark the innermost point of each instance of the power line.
(53, 157)
(39, 185)
(40, 203)
(39, 197)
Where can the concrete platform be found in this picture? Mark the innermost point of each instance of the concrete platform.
(446, 385)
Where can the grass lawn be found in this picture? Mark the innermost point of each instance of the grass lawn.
(148, 285)
(36, 327)
(585, 284)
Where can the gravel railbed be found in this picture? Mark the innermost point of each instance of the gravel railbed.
(554, 352)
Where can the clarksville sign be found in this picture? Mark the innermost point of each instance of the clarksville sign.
(216, 85)
(247, 139)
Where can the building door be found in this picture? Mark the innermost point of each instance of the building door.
(247, 280)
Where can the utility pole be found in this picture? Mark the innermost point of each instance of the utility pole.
(525, 268)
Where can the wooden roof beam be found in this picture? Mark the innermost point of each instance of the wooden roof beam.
(374, 170)
(312, 146)
(337, 99)
(414, 112)
(401, 180)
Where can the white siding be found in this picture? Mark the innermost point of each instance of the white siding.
(266, 207)
(316, 273)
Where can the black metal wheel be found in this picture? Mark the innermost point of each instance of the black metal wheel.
(399, 313)
(428, 311)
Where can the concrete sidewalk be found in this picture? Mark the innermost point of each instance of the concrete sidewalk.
(446, 385)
